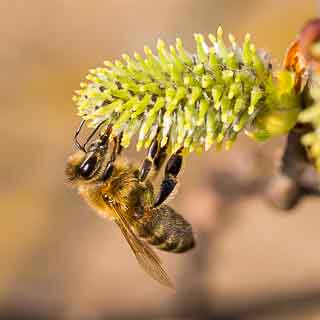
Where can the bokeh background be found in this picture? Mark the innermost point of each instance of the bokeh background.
(58, 260)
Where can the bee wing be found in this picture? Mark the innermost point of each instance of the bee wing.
(146, 257)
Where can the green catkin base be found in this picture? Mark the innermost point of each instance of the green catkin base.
(191, 101)
(311, 115)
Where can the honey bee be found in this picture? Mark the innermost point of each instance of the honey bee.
(119, 190)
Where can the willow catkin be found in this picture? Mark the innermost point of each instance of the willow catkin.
(190, 101)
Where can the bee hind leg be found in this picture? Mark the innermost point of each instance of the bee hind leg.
(170, 180)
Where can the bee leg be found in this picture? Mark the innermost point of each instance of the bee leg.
(169, 182)
(119, 147)
(155, 159)
(104, 136)
(160, 159)
(109, 166)
(149, 160)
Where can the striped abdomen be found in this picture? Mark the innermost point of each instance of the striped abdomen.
(167, 230)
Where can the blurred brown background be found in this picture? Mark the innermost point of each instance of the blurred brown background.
(58, 260)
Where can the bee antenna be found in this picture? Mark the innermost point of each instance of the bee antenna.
(93, 133)
(75, 138)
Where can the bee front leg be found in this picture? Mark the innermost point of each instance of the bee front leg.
(118, 146)
(170, 180)
(116, 150)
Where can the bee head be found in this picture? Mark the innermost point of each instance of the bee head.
(84, 165)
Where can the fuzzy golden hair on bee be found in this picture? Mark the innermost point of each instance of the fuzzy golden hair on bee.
(123, 186)
(73, 163)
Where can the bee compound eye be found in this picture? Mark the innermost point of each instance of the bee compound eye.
(108, 171)
(88, 167)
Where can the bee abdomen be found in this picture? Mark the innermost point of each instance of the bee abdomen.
(169, 231)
